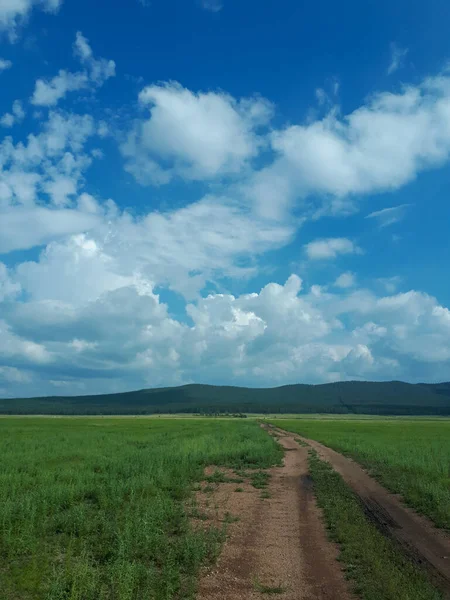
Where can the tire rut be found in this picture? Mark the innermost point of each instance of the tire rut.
(279, 542)
(420, 539)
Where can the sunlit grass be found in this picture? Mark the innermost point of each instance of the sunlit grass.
(411, 458)
(94, 509)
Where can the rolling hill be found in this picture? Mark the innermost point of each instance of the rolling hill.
(351, 397)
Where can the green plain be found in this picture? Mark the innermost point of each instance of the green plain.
(94, 509)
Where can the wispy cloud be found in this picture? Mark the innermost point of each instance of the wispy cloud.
(212, 5)
(397, 57)
(389, 216)
(5, 64)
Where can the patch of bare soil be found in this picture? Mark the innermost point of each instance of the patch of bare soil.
(420, 539)
(279, 545)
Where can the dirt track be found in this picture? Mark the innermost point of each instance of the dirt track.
(424, 543)
(278, 542)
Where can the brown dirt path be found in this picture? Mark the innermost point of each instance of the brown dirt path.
(278, 542)
(423, 542)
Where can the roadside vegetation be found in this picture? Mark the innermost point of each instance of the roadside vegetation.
(94, 509)
(374, 563)
(411, 458)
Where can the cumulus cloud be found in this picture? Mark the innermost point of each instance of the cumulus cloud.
(278, 335)
(16, 115)
(83, 313)
(14, 13)
(193, 136)
(380, 146)
(397, 57)
(40, 198)
(330, 248)
(48, 92)
(389, 216)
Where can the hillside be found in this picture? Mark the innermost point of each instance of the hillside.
(352, 397)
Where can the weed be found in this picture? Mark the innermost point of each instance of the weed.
(239, 489)
(260, 479)
(268, 589)
(265, 494)
(229, 518)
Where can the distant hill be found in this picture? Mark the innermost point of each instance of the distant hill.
(351, 397)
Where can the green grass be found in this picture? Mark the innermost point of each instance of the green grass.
(260, 479)
(411, 458)
(96, 509)
(376, 565)
(268, 589)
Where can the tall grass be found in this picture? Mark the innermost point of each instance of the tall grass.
(411, 458)
(93, 509)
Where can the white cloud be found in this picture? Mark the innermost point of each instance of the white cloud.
(195, 136)
(7, 120)
(345, 280)
(380, 146)
(389, 216)
(8, 288)
(24, 228)
(101, 69)
(40, 182)
(330, 248)
(48, 92)
(14, 13)
(397, 57)
(212, 5)
(5, 64)
(16, 115)
(82, 48)
(84, 313)
(119, 335)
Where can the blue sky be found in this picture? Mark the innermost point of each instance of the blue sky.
(236, 192)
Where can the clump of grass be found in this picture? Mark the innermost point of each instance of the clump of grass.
(229, 518)
(208, 489)
(239, 489)
(195, 513)
(260, 479)
(265, 494)
(268, 589)
(300, 442)
(375, 563)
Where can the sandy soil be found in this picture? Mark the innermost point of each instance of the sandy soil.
(278, 542)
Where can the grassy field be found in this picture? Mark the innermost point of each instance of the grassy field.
(409, 457)
(96, 508)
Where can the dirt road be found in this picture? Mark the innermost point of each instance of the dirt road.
(424, 543)
(279, 543)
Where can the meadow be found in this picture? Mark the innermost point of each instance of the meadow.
(96, 508)
(409, 457)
